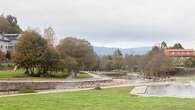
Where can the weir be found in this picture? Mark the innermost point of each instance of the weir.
(180, 90)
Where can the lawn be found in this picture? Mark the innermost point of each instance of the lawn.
(11, 73)
(19, 74)
(83, 75)
(107, 99)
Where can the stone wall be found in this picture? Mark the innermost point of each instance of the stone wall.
(48, 85)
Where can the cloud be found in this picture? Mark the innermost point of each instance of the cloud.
(118, 23)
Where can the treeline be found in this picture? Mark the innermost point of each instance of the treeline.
(39, 56)
(155, 63)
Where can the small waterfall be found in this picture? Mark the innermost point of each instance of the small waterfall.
(182, 90)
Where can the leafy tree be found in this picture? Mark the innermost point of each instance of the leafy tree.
(190, 62)
(164, 45)
(177, 46)
(9, 25)
(4, 25)
(8, 55)
(12, 20)
(2, 56)
(33, 54)
(77, 54)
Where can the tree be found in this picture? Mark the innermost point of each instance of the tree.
(12, 19)
(4, 25)
(164, 45)
(157, 64)
(8, 55)
(49, 36)
(33, 54)
(106, 63)
(9, 25)
(2, 56)
(117, 53)
(77, 54)
(132, 62)
(118, 61)
(177, 46)
(190, 62)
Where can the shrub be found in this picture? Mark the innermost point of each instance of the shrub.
(98, 87)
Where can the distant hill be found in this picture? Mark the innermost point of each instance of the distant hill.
(130, 51)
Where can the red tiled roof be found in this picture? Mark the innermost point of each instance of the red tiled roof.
(180, 52)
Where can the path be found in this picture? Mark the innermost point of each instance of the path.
(64, 90)
(95, 75)
(83, 89)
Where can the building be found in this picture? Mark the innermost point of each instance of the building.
(180, 52)
(8, 42)
(181, 55)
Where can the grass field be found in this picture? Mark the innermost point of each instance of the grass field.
(11, 74)
(83, 75)
(107, 99)
(19, 74)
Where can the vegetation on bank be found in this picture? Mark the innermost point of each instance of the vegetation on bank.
(11, 74)
(39, 56)
(154, 64)
(83, 75)
(106, 99)
(19, 74)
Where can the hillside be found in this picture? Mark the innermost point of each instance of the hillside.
(130, 51)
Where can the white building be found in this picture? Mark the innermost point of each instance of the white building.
(8, 42)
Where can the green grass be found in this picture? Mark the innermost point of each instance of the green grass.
(83, 75)
(19, 74)
(106, 99)
(11, 74)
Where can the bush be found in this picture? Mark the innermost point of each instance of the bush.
(98, 88)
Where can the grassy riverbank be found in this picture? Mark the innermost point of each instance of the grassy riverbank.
(107, 99)
(19, 74)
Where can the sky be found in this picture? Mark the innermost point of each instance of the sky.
(110, 23)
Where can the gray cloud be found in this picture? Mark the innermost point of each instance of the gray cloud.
(118, 23)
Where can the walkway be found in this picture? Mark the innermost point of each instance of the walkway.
(84, 89)
(64, 90)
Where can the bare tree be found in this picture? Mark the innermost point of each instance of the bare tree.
(155, 63)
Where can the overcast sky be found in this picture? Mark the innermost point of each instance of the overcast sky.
(111, 23)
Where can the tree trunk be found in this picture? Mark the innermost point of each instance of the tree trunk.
(73, 74)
